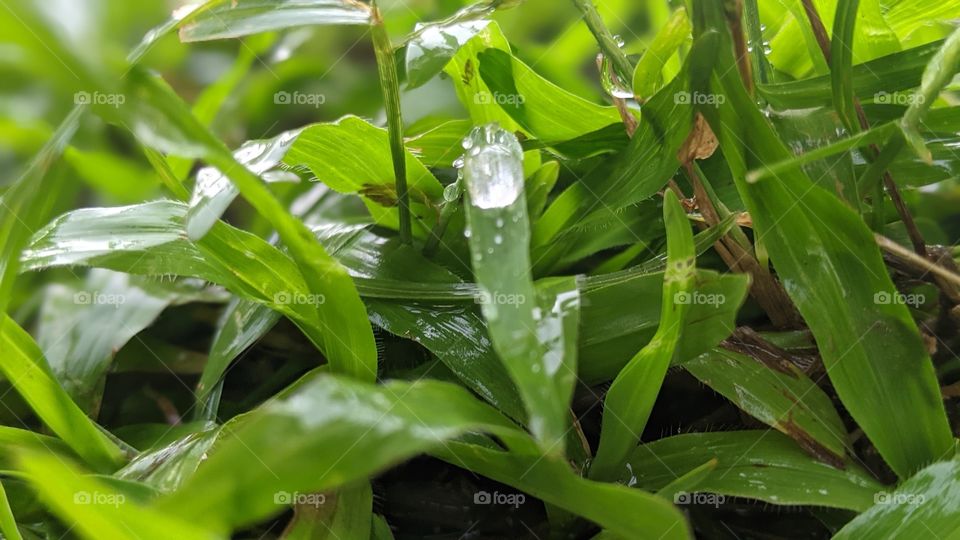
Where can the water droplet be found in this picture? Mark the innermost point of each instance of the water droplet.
(467, 233)
(494, 167)
(498, 239)
(611, 82)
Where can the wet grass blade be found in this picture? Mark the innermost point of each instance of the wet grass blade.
(826, 256)
(26, 369)
(923, 506)
(630, 398)
(337, 431)
(345, 336)
(762, 465)
(500, 250)
(109, 513)
(223, 19)
(778, 394)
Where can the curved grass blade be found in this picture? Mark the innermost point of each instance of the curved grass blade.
(8, 524)
(762, 465)
(500, 248)
(24, 367)
(167, 467)
(938, 73)
(83, 325)
(344, 333)
(242, 323)
(432, 47)
(224, 19)
(778, 394)
(630, 398)
(213, 192)
(22, 201)
(336, 431)
(921, 507)
(353, 156)
(115, 514)
(646, 76)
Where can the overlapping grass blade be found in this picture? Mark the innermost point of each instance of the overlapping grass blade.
(833, 271)
(342, 430)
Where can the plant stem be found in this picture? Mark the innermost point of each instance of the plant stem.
(390, 85)
(608, 44)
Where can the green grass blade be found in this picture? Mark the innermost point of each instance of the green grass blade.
(500, 248)
(351, 517)
(921, 507)
(669, 39)
(224, 19)
(630, 398)
(762, 465)
(24, 367)
(779, 395)
(841, 63)
(335, 431)
(626, 511)
(833, 271)
(8, 524)
(345, 336)
(96, 509)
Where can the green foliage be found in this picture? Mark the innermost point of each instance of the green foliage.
(351, 269)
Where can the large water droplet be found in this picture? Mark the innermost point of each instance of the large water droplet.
(493, 167)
